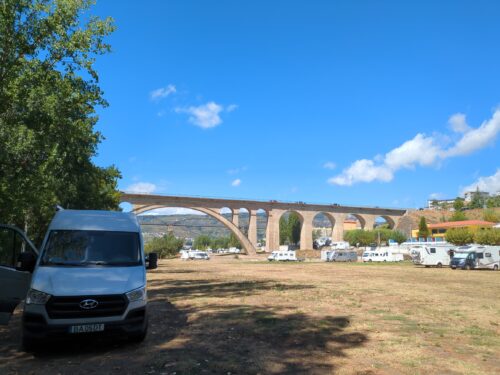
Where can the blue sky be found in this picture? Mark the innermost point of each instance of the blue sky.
(381, 103)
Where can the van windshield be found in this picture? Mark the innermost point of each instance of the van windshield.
(91, 248)
(461, 255)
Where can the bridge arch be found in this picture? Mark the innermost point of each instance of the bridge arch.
(386, 220)
(350, 222)
(296, 232)
(215, 213)
(320, 228)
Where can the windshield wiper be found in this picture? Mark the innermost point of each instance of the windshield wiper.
(62, 264)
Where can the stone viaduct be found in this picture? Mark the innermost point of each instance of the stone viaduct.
(212, 206)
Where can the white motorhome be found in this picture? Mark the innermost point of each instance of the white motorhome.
(436, 255)
(476, 257)
(88, 276)
(381, 255)
(341, 245)
(282, 256)
(194, 254)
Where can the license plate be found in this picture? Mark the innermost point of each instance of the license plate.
(85, 328)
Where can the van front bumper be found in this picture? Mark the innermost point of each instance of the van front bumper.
(37, 326)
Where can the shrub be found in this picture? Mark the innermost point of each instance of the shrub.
(459, 236)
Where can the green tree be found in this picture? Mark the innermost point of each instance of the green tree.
(234, 242)
(398, 236)
(202, 242)
(477, 200)
(458, 204)
(423, 229)
(490, 215)
(459, 236)
(49, 93)
(360, 237)
(166, 246)
(458, 216)
(290, 227)
(488, 237)
(493, 202)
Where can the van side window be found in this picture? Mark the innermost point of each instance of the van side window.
(487, 255)
(433, 250)
(11, 245)
(479, 255)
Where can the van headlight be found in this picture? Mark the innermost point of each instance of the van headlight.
(35, 297)
(137, 294)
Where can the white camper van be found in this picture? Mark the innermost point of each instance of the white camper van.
(476, 257)
(88, 276)
(436, 255)
(381, 255)
(282, 256)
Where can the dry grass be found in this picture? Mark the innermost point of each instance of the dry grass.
(245, 316)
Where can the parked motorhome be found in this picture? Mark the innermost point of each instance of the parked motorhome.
(89, 276)
(342, 256)
(476, 257)
(437, 255)
(381, 255)
(341, 245)
(282, 256)
(194, 254)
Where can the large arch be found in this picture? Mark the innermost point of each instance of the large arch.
(354, 217)
(388, 221)
(215, 213)
(301, 219)
(322, 231)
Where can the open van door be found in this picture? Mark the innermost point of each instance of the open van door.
(17, 262)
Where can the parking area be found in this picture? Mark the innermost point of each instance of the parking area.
(243, 316)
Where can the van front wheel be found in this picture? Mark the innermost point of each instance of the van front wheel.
(29, 344)
(495, 267)
(139, 336)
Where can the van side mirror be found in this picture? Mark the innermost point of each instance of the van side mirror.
(26, 261)
(152, 261)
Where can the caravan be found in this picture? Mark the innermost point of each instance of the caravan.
(476, 257)
(436, 255)
(381, 255)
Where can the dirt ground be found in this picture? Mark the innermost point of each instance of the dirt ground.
(245, 316)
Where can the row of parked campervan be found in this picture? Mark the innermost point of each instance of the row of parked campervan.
(464, 257)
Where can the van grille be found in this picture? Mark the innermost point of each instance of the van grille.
(69, 307)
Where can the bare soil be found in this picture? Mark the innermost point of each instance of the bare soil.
(248, 316)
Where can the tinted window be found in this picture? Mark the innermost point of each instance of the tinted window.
(82, 248)
(487, 255)
(11, 245)
(433, 250)
(479, 255)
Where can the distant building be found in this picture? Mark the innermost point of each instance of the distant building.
(438, 231)
(470, 194)
(434, 204)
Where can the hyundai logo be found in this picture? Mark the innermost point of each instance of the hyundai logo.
(88, 304)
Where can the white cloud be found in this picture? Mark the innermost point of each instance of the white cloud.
(237, 170)
(422, 150)
(207, 115)
(436, 196)
(491, 184)
(141, 187)
(458, 123)
(475, 139)
(162, 92)
(173, 211)
(236, 182)
(329, 165)
(363, 170)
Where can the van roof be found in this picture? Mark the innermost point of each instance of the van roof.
(115, 221)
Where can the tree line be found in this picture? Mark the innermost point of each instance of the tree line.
(49, 92)
(361, 237)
